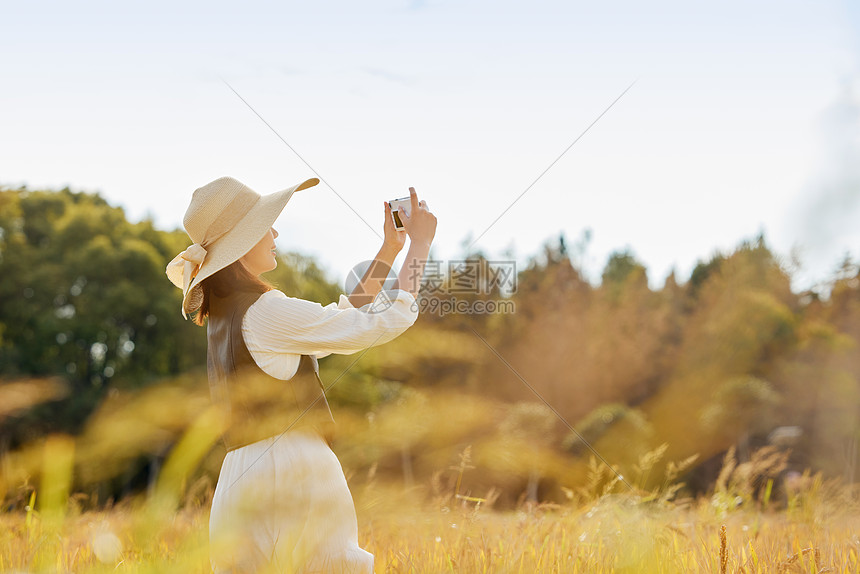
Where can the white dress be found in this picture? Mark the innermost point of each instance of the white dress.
(282, 504)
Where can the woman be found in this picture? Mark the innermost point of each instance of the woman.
(282, 503)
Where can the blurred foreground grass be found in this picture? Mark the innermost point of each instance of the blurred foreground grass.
(410, 531)
(758, 516)
(437, 518)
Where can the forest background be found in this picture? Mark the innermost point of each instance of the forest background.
(94, 350)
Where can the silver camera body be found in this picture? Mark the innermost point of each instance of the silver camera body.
(404, 203)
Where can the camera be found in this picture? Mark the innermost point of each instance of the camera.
(404, 203)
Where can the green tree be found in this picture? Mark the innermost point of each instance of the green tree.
(83, 296)
(622, 267)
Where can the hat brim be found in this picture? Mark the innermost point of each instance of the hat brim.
(247, 232)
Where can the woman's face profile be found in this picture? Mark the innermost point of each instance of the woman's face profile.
(261, 257)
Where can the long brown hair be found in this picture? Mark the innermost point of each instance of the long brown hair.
(234, 277)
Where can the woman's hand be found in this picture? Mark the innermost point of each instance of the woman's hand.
(420, 225)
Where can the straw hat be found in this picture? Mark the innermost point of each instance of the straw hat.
(225, 220)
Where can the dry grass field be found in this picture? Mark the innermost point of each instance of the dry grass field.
(413, 531)
(757, 517)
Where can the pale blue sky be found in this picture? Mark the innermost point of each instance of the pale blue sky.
(720, 138)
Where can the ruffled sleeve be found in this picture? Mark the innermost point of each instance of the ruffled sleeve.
(277, 329)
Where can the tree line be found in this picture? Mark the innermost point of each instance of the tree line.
(730, 358)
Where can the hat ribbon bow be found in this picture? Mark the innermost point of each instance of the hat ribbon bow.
(186, 265)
